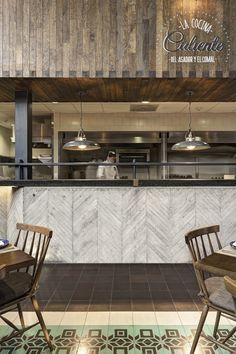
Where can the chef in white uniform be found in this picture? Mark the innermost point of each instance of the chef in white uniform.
(108, 172)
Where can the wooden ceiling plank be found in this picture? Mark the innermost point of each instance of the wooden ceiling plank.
(121, 90)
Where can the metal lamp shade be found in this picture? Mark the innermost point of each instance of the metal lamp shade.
(191, 143)
(81, 144)
(84, 145)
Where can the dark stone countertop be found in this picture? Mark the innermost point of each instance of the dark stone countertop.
(121, 183)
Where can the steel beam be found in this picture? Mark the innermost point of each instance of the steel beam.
(23, 132)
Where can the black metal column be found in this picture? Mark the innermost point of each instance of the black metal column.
(23, 132)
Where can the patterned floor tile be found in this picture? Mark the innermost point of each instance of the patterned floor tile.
(67, 339)
(173, 340)
(119, 339)
(204, 346)
(147, 340)
(94, 340)
(31, 342)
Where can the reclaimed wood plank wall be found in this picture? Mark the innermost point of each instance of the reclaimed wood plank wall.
(106, 38)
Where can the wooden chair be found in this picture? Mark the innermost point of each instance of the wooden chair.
(223, 300)
(201, 243)
(22, 284)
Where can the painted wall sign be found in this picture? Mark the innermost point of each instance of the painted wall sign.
(198, 39)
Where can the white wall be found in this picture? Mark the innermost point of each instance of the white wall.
(6, 146)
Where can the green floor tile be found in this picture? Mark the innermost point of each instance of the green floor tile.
(120, 339)
(93, 340)
(147, 340)
(204, 345)
(173, 339)
(114, 340)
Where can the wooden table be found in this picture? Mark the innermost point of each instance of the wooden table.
(16, 259)
(218, 264)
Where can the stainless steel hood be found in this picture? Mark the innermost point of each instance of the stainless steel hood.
(42, 131)
(218, 137)
(138, 137)
(119, 137)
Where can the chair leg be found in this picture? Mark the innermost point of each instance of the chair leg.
(229, 335)
(41, 321)
(21, 315)
(218, 314)
(199, 328)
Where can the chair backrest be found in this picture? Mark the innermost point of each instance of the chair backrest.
(203, 242)
(34, 240)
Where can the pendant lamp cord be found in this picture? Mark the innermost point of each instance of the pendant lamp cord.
(190, 115)
(190, 93)
(81, 113)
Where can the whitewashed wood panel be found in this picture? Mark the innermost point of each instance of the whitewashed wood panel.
(85, 225)
(228, 213)
(158, 224)
(60, 221)
(208, 206)
(120, 225)
(182, 219)
(15, 212)
(35, 206)
(134, 234)
(109, 225)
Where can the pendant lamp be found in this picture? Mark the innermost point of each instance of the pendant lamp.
(80, 143)
(191, 142)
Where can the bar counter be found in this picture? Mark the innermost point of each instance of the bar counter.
(120, 183)
(122, 224)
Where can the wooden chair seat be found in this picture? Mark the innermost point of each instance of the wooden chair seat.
(223, 299)
(13, 286)
(213, 284)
